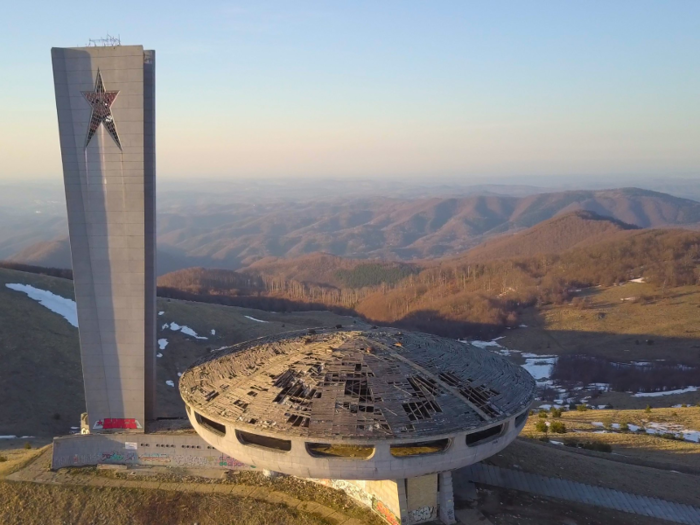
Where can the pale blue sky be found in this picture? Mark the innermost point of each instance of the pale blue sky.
(380, 88)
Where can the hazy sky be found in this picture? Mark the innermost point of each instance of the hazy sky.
(379, 88)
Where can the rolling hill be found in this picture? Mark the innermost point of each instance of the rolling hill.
(56, 254)
(555, 235)
(235, 236)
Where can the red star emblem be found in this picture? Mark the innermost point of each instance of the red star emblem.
(101, 102)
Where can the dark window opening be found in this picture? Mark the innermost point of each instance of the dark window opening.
(521, 419)
(213, 426)
(477, 437)
(340, 451)
(246, 438)
(421, 448)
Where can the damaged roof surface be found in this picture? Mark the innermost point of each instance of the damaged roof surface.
(357, 385)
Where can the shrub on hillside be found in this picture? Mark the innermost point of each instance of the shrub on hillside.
(557, 427)
(541, 426)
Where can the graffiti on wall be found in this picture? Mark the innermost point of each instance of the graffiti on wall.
(229, 462)
(118, 457)
(350, 488)
(422, 514)
(385, 513)
(74, 455)
(154, 458)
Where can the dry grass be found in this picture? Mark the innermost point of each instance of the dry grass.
(31, 503)
(16, 456)
(341, 451)
(646, 448)
(669, 319)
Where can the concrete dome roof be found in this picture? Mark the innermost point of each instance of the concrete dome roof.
(357, 385)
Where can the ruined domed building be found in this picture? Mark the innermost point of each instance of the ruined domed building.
(383, 413)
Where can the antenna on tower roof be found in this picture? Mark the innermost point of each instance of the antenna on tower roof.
(108, 41)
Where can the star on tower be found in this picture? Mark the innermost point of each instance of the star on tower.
(101, 102)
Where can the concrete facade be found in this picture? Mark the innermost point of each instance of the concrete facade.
(105, 97)
(379, 466)
(167, 449)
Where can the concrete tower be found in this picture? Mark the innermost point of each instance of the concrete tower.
(105, 97)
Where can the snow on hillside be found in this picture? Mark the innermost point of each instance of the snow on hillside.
(667, 392)
(254, 319)
(64, 307)
(184, 329)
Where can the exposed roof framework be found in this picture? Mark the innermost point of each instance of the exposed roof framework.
(358, 385)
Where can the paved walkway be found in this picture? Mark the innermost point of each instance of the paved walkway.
(580, 492)
(38, 472)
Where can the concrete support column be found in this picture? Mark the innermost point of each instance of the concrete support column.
(403, 500)
(446, 503)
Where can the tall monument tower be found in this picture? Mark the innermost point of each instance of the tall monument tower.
(105, 97)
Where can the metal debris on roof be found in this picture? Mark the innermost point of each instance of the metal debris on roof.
(353, 384)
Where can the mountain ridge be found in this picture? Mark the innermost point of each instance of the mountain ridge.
(393, 229)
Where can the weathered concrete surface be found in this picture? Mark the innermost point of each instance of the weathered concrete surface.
(159, 449)
(376, 388)
(105, 99)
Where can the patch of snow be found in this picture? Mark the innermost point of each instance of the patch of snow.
(165, 326)
(219, 349)
(170, 383)
(159, 354)
(616, 426)
(27, 437)
(638, 280)
(64, 307)
(555, 442)
(633, 428)
(185, 330)
(484, 344)
(8, 437)
(161, 313)
(666, 392)
(522, 326)
(540, 367)
(254, 319)
(691, 435)
(162, 343)
(601, 407)
(179, 374)
(213, 332)
(597, 424)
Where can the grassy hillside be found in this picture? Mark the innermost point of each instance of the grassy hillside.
(660, 450)
(41, 380)
(616, 322)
